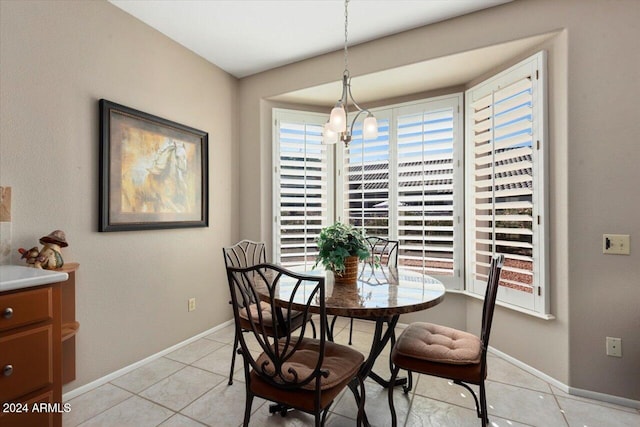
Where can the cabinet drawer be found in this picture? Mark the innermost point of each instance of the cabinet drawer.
(25, 307)
(26, 362)
(28, 417)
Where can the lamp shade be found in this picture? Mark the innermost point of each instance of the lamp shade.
(328, 135)
(370, 127)
(338, 119)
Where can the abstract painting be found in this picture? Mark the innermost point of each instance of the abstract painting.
(153, 172)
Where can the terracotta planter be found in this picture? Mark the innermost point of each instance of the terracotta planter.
(350, 274)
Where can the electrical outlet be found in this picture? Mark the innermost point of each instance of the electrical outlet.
(614, 347)
(192, 304)
(616, 244)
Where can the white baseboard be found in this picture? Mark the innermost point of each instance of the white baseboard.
(533, 371)
(530, 369)
(617, 400)
(622, 401)
(100, 381)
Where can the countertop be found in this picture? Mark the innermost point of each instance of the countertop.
(13, 277)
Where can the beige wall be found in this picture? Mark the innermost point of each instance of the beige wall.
(594, 70)
(57, 60)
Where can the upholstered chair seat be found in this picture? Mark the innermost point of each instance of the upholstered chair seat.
(297, 318)
(436, 343)
(340, 362)
(442, 351)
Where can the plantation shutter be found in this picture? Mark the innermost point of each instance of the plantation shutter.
(302, 186)
(366, 166)
(427, 164)
(407, 185)
(505, 176)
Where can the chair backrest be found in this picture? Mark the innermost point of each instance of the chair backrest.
(279, 345)
(490, 299)
(245, 254)
(385, 250)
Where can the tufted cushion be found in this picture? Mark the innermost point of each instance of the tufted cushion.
(340, 361)
(435, 343)
(253, 309)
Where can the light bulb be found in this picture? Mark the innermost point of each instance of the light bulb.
(338, 119)
(370, 127)
(328, 135)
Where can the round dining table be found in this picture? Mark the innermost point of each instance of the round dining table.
(380, 294)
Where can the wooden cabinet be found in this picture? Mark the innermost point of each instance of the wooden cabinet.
(69, 324)
(37, 352)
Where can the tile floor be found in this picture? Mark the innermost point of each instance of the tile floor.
(188, 387)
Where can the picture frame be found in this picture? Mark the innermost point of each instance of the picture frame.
(153, 172)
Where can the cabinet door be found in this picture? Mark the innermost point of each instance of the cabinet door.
(26, 362)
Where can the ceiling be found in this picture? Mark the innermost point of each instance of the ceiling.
(245, 37)
(439, 73)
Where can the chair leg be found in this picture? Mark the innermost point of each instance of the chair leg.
(473, 394)
(247, 410)
(407, 388)
(350, 330)
(394, 418)
(248, 393)
(320, 417)
(483, 405)
(360, 419)
(233, 358)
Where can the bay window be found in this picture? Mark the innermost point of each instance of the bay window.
(451, 198)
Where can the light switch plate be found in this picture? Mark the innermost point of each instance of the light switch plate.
(614, 347)
(616, 244)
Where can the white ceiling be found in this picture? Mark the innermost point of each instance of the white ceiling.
(244, 37)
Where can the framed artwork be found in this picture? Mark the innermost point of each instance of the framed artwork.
(153, 172)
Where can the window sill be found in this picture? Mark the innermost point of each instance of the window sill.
(505, 305)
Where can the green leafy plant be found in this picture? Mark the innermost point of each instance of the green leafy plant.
(338, 241)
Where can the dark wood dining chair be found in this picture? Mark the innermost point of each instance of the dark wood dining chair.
(292, 370)
(247, 253)
(383, 252)
(448, 353)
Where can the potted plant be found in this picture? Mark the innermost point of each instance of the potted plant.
(340, 247)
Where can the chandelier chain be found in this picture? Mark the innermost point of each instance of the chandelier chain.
(346, 34)
(337, 128)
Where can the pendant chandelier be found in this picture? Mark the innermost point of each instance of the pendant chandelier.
(336, 128)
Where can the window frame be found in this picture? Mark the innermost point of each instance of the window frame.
(455, 101)
(297, 116)
(534, 65)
